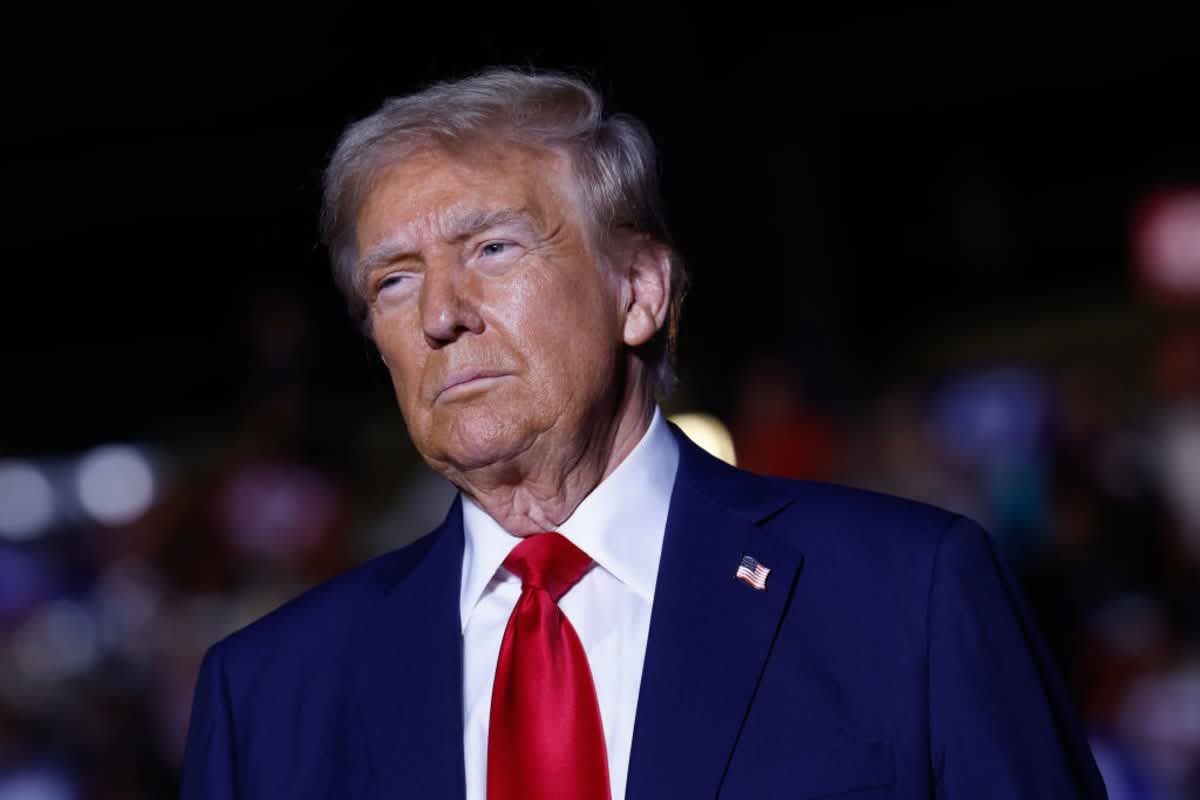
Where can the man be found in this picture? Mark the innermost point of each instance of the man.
(606, 611)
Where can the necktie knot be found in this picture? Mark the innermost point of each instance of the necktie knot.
(548, 561)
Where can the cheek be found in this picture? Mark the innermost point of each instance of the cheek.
(569, 336)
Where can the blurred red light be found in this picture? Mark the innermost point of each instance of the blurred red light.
(1166, 244)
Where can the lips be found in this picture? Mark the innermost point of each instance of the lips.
(464, 380)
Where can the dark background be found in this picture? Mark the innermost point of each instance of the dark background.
(876, 208)
(852, 191)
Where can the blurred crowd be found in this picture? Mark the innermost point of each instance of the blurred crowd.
(1088, 477)
(121, 565)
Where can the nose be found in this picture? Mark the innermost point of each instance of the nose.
(447, 309)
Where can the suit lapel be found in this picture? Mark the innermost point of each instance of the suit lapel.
(710, 634)
(407, 672)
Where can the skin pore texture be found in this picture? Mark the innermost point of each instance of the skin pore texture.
(510, 338)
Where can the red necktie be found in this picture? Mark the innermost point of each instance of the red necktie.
(546, 741)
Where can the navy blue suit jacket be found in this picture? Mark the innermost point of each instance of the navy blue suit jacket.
(890, 656)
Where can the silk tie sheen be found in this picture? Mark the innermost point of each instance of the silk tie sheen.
(546, 740)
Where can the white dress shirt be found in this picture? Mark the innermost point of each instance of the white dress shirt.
(621, 526)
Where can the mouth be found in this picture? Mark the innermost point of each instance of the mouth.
(465, 382)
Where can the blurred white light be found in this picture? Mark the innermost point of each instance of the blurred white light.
(26, 501)
(708, 432)
(115, 484)
(37, 781)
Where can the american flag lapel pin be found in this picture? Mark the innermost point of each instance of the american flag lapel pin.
(751, 572)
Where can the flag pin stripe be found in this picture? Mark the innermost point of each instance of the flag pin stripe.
(752, 573)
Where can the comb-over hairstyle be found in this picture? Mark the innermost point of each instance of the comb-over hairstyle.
(612, 160)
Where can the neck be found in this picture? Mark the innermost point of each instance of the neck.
(542, 488)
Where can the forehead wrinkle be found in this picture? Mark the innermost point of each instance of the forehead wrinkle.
(400, 242)
(474, 221)
(450, 225)
(403, 241)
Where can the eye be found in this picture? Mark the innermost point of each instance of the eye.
(496, 256)
(495, 248)
(393, 285)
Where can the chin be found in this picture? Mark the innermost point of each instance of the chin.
(478, 442)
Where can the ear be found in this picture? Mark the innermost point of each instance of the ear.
(647, 291)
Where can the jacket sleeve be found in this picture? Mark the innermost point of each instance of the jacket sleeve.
(210, 761)
(1001, 724)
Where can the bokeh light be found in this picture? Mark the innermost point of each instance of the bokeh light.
(26, 501)
(708, 432)
(115, 484)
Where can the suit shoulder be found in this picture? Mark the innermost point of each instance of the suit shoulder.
(882, 551)
(868, 507)
(815, 514)
(849, 517)
(810, 507)
(315, 621)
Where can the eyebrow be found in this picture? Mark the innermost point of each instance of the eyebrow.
(458, 227)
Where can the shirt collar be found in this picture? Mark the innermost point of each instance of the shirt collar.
(620, 524)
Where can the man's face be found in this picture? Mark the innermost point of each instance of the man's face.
(495, 318)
